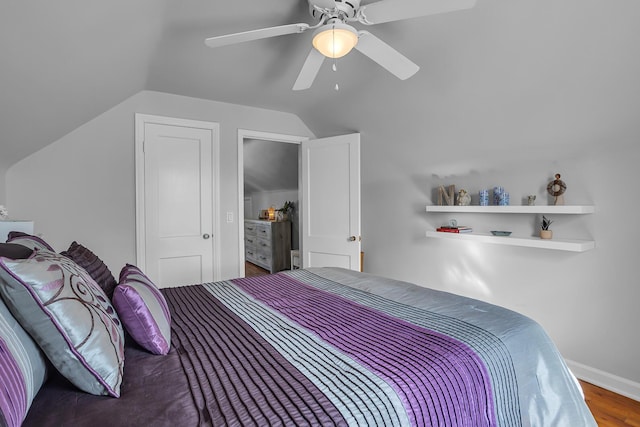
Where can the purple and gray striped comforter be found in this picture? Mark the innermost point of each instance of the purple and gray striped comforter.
(333, 347)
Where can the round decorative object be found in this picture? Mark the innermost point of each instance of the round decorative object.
(464, 198)
(556, 187)
(453, 223)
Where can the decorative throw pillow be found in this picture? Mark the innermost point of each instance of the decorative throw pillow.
(23, 369)
(143, 310)
(70, 318)
(94, 266)
(14, 251)
(28, 240)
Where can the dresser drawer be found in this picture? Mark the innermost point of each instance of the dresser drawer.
(263, 244)
(250, 241)
(263, 231)
(251, 254)
(250, 228)
(263, 260)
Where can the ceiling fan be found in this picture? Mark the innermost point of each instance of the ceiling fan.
(334, 37)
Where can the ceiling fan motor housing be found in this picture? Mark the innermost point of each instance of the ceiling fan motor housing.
(345, 9)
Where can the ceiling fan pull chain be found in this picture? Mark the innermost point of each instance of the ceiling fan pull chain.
(335, 69)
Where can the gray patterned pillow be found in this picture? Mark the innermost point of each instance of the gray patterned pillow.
(70, 318)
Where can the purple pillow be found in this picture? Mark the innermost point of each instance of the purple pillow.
(143, 310)
(28, 240)
(94, 266)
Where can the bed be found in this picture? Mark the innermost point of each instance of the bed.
(328, 346)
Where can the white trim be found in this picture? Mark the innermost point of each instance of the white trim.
(140, 121)
(266, 136)
(614, 383)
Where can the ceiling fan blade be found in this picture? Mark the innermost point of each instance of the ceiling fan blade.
(380, 52)
(309, 70)
(255, 34)
(396, 10)
(324, 4)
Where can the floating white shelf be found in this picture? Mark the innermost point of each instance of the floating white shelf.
(531, 242)
(565, 209)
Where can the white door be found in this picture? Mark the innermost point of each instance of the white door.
(331, 202)
(175, 213)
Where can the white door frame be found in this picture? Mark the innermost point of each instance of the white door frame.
(266, 136)
(140, 121)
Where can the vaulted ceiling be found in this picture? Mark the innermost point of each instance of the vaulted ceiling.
(270, 166)
(503, 68)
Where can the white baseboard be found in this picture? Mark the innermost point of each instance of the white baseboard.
(606, 380)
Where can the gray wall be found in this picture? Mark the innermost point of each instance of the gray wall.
(2, 187)
(586, 301)
(81, 187)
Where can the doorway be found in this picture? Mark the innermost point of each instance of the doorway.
(268, 176)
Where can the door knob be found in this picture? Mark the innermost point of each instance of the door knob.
(352, 239)
(205, 236)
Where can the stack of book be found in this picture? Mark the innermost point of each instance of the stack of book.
(459, 229)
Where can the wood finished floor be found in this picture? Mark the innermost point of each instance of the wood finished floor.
(608, 408)
(252, 270)
(611, 409)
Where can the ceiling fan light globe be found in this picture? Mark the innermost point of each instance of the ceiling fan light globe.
(335, 40)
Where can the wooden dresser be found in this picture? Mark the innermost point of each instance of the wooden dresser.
(268, 244)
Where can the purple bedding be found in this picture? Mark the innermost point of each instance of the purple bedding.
(329, 347)
(415, 361)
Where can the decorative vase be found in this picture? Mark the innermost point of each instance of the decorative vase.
(546, 234)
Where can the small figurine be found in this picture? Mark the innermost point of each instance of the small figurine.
(464, 198)
(557, 188)
(531, 200)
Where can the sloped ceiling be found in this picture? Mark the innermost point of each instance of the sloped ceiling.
(270, 166)
(64, 63)
(493, 76)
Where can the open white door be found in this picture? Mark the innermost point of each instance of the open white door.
(331, 202)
